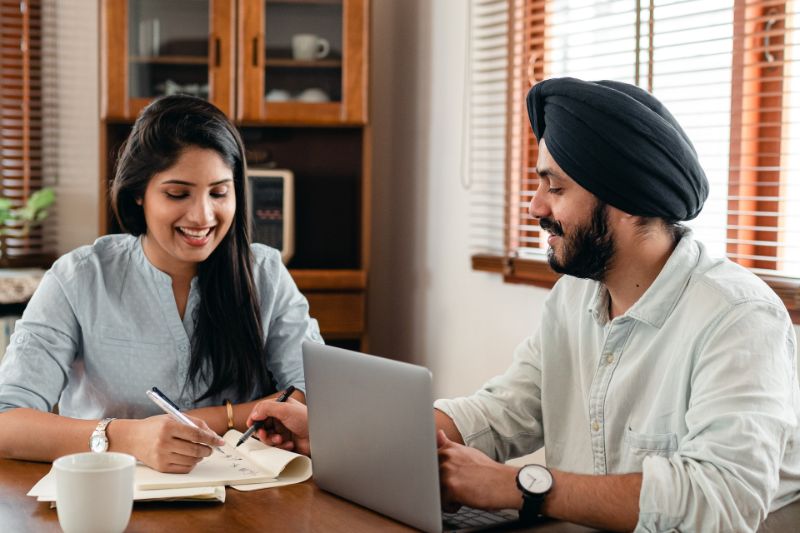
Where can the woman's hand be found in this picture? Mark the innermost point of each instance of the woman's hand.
(287, 427)
(163, 443)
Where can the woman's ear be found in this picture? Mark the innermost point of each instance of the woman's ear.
(139, 201)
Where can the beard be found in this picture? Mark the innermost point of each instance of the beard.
(587, 251)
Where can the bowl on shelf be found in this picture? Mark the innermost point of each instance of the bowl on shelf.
(313, 95)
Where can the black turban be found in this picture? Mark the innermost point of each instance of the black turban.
(621, 144)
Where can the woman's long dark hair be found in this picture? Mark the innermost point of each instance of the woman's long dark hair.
(228, 341)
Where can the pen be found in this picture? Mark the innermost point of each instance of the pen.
(260, 424)
(169, 407)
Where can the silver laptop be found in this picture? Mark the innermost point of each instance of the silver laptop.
(372, 435)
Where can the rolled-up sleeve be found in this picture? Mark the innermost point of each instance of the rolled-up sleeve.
(289, 325)
(726, 471)
(503, 419)
(41, 351)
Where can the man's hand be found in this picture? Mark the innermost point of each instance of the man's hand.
(289, 424)
(163, 443)
(468, 477)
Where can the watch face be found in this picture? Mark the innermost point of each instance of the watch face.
(535, 478)
(98, 443)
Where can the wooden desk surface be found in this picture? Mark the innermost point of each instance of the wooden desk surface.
(296, 508)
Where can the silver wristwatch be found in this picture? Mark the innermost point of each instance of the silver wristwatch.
(98, 442)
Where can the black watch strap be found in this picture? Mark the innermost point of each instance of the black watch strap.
(531, 511)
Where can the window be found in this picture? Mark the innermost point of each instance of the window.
(26, 162)
(727, 70)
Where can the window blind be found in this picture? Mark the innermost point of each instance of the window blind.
(727, 70)
(22, 122)
(485, 143)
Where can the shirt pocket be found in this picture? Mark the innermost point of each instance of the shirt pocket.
(640, 445)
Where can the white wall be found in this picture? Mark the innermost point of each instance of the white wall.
(78, 152)
(426, 304)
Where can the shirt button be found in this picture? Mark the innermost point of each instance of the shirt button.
(595, 426)
(610, 358)
(182, 347)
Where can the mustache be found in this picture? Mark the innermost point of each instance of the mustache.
(552, 226)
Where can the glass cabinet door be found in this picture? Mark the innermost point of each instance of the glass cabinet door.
(156, 48)
(303, 52)
(304, 60)
(167, 48)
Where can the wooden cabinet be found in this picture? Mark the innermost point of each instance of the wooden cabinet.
(303, 61)
(252, 58)
(292, 74)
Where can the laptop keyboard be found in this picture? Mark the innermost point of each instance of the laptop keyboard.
(467, 517)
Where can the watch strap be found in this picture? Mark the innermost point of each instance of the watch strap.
(531, 511)
(101, 426)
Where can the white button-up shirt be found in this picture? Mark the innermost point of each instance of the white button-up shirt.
(695, 386)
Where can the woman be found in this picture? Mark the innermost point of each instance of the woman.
(183, 302)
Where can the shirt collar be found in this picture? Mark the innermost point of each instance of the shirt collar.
(658, 301)
(155, 273)
(146, 265)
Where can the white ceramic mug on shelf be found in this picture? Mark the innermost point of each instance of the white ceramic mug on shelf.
(94, 491)
(307, 46)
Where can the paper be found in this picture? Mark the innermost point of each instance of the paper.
(252, 466)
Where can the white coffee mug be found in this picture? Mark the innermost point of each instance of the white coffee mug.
(307, 46)
(94, 491)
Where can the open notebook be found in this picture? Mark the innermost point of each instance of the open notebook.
(251, 466)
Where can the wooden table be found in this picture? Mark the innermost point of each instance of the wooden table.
(296, 508)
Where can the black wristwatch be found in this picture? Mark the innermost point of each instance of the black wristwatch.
(535, 481)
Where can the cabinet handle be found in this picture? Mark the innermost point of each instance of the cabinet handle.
(255, 51)
(217, 52)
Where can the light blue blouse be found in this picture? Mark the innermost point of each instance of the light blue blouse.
(103, 327)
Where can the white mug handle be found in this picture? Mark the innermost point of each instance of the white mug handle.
(324, 47)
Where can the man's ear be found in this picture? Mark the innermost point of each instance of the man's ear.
(621, 216)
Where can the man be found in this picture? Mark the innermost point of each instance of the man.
(661, 382)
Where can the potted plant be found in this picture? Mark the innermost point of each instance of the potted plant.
(19, 226)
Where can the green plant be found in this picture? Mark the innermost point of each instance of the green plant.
(32, 213)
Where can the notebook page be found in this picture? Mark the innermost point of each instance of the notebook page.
(225, 467)
(287, 467)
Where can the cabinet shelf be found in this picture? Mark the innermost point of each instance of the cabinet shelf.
(308, 2)
(170, 60)
(299, 63)
(321, 279)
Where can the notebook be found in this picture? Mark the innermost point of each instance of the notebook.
(251, 466)
(45, 491)
(372, 435)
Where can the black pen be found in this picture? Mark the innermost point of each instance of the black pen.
(260, 424)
